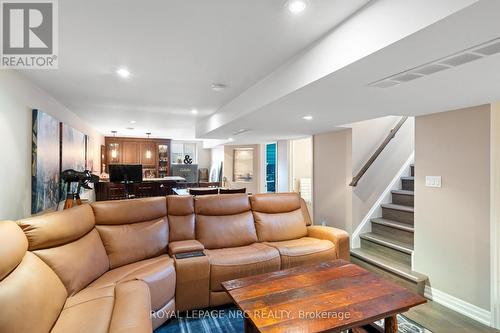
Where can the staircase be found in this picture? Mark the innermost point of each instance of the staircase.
(388, 248)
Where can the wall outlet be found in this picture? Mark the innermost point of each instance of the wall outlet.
(433, 181)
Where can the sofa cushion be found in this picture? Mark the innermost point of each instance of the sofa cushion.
(31, 296)
(128, 243)
(68, 242)
(224, 221)
(278, 217)
(181, 217)
(132, 230)
(303, 251)
(219, 205)
(275, 203)
(77, 263)
(58, 228)
(233, 263)
(119, 212)
(13, 247)
(158, 273)
(124, 307)
(90, 310)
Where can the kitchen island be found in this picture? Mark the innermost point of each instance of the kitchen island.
(149, 187)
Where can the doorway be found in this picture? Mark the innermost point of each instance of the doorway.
(301, 174)
(270, 168)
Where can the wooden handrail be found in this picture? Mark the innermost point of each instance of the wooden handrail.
(372, 159)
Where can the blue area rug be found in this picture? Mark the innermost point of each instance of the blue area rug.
(230, 320)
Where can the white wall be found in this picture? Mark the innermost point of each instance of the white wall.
(283, 165)
(216, 158)
(18, 97)
(452, 223)
(301, 161)
(495, 214)
(204, 156)
(332, 173)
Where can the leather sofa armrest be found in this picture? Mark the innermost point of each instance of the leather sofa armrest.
(338, 237)
(184, 247)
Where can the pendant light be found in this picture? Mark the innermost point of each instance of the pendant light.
(114, 152)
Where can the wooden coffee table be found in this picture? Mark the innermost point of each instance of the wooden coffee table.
(332, 296)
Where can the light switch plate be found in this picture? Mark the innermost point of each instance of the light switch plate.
(433, 181)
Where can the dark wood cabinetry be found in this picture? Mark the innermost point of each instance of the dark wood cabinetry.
(120, 191)
(131, 152)
(153, 154)
(149, 154)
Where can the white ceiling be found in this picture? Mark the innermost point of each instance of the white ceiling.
(175, 50)
(344, 97)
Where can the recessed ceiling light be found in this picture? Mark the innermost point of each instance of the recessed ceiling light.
(194, 111)
(296, 6)
(230, 139)
(218, 86)
(123, 72)
(307, 117)
(133, 121)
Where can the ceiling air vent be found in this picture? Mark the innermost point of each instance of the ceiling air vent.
(241, 131)
(406, 77)
(430, 69)
(460, 59)
(385, 84)
(489, 48)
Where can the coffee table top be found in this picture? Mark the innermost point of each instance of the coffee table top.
(333, 295)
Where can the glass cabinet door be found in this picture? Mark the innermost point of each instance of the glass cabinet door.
(163, 161)
(114, 153)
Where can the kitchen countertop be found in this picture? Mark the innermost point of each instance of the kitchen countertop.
(168, 178)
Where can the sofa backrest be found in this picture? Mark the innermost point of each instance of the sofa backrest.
(31, 294)
(279, 216)
(68, 242)
(181, 218)
(132, 230)
(224, 221)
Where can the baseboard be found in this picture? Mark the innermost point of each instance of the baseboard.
(470, 310)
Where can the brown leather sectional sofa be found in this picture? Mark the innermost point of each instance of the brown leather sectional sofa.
(112, 266)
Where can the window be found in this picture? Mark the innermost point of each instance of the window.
(271, 167)
(180, 150)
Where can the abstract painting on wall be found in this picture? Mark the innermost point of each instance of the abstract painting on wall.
(45, 162)
(89, 153)
(243, 165)
(72, 152)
